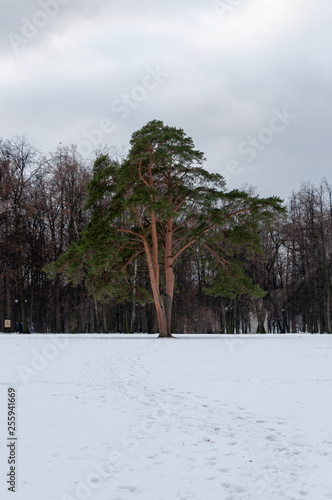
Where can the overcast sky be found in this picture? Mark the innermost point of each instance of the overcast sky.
(248, 80)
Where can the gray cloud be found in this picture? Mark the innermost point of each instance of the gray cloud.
(100, 70)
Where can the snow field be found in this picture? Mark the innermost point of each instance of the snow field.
(110, 417)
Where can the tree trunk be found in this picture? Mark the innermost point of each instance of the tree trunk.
(153, 267)
(24, 312)
(161, 317)
(168, 311)
(328, 307)
(261, 315)
(169, 276)
(8, 297)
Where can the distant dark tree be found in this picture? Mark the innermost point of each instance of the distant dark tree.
(19, 163)
(41, 214)
(60, 194)
(307, 239)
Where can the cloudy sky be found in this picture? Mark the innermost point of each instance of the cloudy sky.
(248, 80)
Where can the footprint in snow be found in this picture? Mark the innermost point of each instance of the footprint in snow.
(226, 485)
(131, 489)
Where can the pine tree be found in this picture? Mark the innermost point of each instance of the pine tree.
(157, 204)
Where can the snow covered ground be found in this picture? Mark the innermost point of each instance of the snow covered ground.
(110, 417)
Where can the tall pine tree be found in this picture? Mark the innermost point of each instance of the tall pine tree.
(158, 203)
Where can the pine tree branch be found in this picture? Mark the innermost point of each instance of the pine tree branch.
(222, 261)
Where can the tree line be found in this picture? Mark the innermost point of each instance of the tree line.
(228, 262)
